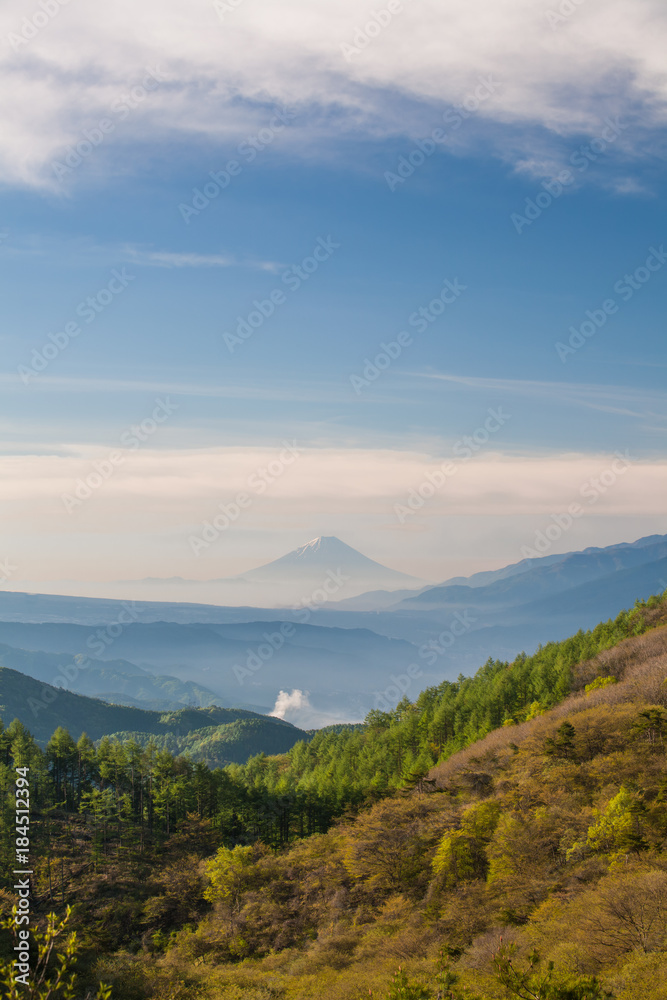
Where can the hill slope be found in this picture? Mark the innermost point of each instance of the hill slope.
(118, 681)
(546, 836)
(532, 860)
(216, 735)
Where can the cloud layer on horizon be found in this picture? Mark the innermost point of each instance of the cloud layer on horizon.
(176, 490)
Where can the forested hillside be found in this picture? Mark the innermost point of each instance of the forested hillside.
(214, 735)
(473, 837)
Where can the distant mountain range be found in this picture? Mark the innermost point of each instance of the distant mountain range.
(115, 680)
(550, 574)
(338, 670)
(531, 579)
(336, 660)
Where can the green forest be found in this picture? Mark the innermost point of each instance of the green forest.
(500, 836)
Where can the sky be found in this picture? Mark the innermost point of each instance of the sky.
(318, 256)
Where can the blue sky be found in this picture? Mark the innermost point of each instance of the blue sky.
(320, 181)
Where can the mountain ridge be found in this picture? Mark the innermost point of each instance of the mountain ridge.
(43, 708)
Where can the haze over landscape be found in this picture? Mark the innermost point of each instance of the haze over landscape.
(329, 650)
(333, 558)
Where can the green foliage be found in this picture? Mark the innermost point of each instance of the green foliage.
(618, 827)
(652, 725)
(402, 989)
(229, 874)
(51, 975)
(457, 858)
(461, 854)
(534, 983)
(480, 819)
(562, 745)
(599, 682)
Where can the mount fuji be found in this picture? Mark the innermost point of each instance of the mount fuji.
(321, 571)
(310, 563)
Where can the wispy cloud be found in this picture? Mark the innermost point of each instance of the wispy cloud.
(82, 251)
(303, 392)
(622, 400)
(167, 258)
(650, 407)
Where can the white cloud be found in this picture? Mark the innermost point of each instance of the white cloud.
(295, 707)
(220, 79)
(164, 258)
(294, 701)
(173, 491)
